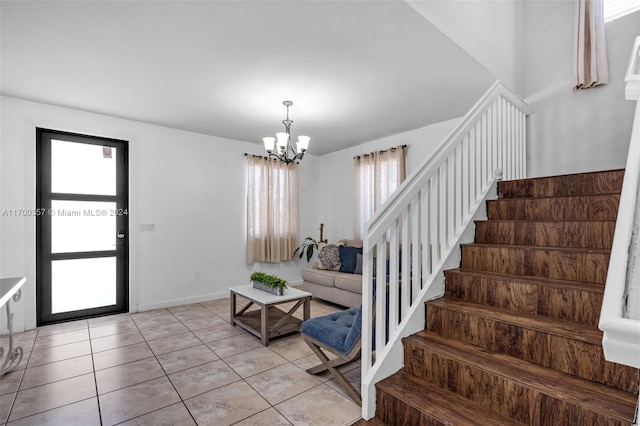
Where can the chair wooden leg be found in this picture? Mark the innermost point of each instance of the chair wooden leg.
(336, 362)
(328, 365)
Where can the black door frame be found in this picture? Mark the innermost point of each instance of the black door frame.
(44, 257)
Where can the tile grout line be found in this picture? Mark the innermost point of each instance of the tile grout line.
(163, 368)
(55, 381)
(43, 384)
(219, 359)
(95, 378)
(167, 375)
(24, 371)
(242, 379)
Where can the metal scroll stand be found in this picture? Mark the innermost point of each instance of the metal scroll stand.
(10, 289)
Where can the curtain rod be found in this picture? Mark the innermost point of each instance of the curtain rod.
(381, 151)
(246, 154)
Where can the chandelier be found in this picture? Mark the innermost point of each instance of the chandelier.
(284, 149)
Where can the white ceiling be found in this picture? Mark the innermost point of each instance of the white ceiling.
(356, 71)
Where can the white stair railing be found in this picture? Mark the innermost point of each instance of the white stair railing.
(416, 233)
(620, 314)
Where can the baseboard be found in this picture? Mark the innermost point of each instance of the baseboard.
(196, 299)
(177, 302)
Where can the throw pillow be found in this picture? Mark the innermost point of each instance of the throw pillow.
(358, 269)
(348, 258)
(351, 243)
(329, 257)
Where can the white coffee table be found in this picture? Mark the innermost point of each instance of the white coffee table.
(269, 321)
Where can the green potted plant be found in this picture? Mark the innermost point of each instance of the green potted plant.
(268, 283)
(308, 246)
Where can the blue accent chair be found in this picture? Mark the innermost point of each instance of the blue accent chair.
(339, 333)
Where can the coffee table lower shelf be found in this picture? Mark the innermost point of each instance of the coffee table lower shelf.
(251, 321)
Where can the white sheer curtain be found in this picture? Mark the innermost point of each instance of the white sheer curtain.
(272, 210)
(378, 175)
(590, 62)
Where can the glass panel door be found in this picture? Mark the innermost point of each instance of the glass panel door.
(77, 168)
(82, 238)
(78, 284)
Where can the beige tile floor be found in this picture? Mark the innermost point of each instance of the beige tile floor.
(184, 365)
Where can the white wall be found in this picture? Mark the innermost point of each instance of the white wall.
(337, 178)
(490, 31)
(529, 46)
(191, 186)
(571, 131)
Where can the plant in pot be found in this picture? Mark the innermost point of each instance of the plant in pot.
(269, 283)
(308, 246)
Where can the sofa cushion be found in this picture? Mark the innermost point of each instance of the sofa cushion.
(351, 243)
(348, 258)
(328, 257)
(320, 276)
(358, 269)
(349, 282)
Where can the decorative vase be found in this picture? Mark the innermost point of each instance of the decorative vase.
(278, 291)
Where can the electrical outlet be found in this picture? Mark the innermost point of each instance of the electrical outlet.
(196, 274)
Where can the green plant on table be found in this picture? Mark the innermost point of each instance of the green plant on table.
(269, 280)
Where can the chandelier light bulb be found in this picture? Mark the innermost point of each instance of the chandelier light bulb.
(283, 139)
(269, 142)
(303, 143)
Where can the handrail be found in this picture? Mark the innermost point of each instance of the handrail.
(620, 314)
(418, 229)
(391, 208)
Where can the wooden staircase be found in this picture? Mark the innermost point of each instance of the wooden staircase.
(514, 341)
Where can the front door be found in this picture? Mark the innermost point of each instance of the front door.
(82, 226)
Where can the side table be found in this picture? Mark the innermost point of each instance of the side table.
(10, 289)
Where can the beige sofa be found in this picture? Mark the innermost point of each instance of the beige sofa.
(337, 287)
(333, 277)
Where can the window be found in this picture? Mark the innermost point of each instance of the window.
(378, 175)
(614, 9)
(272, 210)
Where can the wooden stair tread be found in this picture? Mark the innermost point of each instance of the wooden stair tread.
(578, 207)
(543, 248)
(566, 329)
(440, 404)
(552, 197)
(576, 264)
(566, 175)
(598, 182)
(605, 399)
(548, 233)
(581, 221)
(551, 282)
(371, 422)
